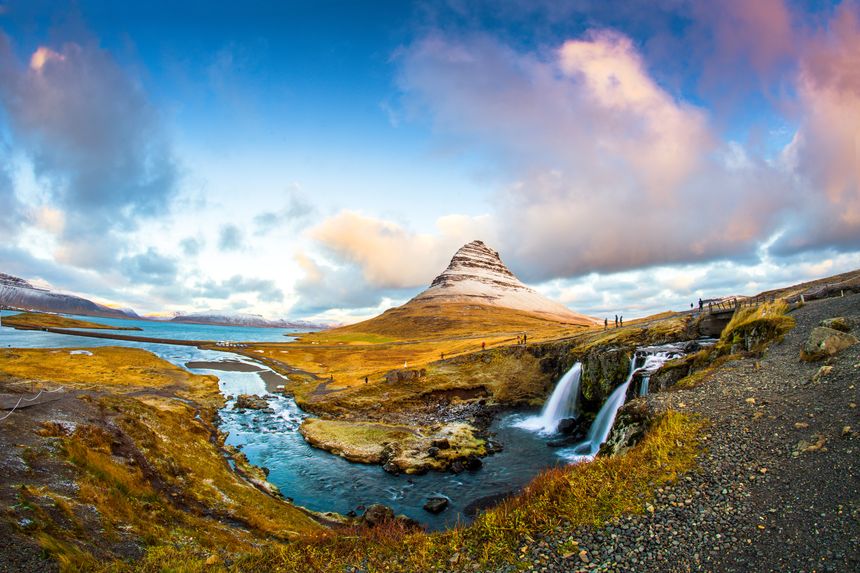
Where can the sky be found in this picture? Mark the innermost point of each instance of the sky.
(324, 160)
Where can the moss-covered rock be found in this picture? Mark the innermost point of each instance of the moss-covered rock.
(839, 323)
(399, 449)
(603, 370)
(824, 342)
(631, 424)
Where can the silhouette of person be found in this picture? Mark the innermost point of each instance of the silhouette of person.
(616, 321)
(621, 320)
(483, 345)
(605, 323)
(365, 379)
(701, 304)
(525, 338)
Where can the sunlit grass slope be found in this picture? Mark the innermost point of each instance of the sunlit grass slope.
(37, 320)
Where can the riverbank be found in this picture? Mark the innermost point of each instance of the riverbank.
(125, 458)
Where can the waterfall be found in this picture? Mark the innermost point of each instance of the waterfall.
(655, 357)
(602, 424)
(561, 404)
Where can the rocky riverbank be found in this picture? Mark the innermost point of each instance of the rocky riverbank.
(779, 484)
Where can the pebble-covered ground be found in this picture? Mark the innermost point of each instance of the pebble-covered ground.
(778, 488)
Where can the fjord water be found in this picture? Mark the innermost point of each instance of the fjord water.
(314, 478)
(561, 404)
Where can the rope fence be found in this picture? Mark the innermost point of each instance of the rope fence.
(42, 391)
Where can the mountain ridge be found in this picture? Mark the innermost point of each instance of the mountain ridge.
(18, 293)
(476, 274)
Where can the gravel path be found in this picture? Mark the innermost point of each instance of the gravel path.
(757, 503)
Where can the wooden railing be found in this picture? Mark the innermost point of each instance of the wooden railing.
(736, 303)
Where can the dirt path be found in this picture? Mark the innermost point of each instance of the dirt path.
(779, 484)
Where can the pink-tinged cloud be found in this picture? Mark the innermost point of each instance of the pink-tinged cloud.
(826, 150)
(758, 35)
(389, 255)
(608, 170)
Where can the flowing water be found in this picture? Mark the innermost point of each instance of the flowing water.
(314, 478)
(652, 358)
(561, 404)
(324, 482)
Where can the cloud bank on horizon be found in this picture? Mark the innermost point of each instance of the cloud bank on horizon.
(619, 158)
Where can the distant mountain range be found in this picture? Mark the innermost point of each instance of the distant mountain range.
(16, 293)
(240, 319)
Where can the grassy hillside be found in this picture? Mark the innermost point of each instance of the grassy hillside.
(39, 320)
(128, 457)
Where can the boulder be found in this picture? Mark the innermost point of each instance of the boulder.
(473, 463)
(436, 504)
(377, 514)
(404, 375)
(250, 402)
(839, 323)
(824, 342)
(441, 443)
(567, 426)
(631, 423)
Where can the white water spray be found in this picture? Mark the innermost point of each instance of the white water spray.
(561, 404)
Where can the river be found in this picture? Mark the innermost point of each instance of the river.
(311, 477)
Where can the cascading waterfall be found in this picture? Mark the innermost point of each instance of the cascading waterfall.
(602, 425)
(600, 429)
(561, 404)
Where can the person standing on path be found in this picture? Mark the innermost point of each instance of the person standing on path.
(605, 323)
(621, 320)
(616, 321)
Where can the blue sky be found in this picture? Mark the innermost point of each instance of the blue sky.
(325, 159)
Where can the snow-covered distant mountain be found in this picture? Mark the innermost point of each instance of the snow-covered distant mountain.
(19, 294)
(477, 275)
(240, 319)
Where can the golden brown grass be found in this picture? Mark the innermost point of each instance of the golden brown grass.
(423, 334)
(585, 494)
(149, 465)
(37, 320)
(765, 323)
(109, 367)
(762, 324)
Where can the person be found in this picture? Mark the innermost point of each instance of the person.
(525, 338)
(483, 345)
(441, 356)
(365, 379)
(621, 320)
(701, 305)
(616, 321)
(605, 323)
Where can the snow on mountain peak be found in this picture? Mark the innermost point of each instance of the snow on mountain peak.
(477, 274)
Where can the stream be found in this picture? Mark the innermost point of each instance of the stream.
(314, 478)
